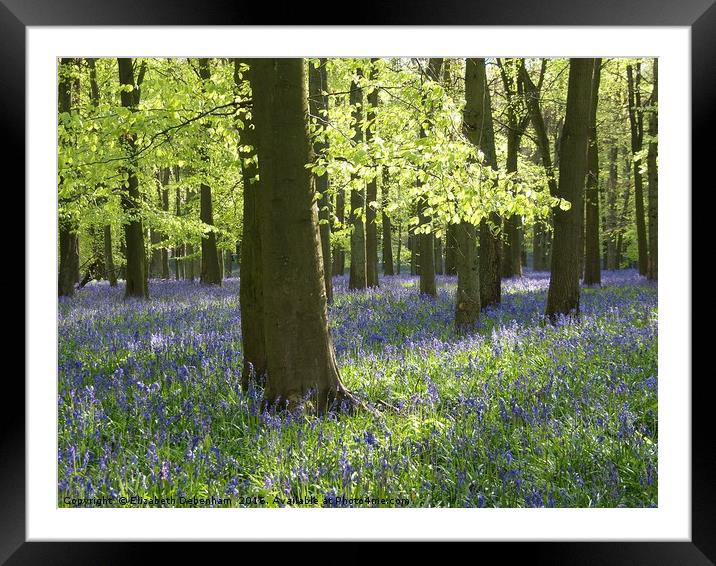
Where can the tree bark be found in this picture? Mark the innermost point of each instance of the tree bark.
(611, 216)
(653, 179)
(592, 258)
(371, 226)
(299, 348)
(136, 274)
(251, 288)
(426, 240)
(563, 294)
(108, 257)
(464, 234)
(636, 122)
(358, 276)
(318, 106)
(65, 276)
(450, 250)
(388, 268)
(165, 207)
(339, 255)
(477, 122)
(210, 268)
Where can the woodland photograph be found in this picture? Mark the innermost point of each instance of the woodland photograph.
(357, 282)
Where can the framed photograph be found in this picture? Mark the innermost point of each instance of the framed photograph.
(250, 294)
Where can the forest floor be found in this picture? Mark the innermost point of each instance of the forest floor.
(516, 414)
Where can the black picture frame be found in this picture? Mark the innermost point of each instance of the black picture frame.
(699, 15)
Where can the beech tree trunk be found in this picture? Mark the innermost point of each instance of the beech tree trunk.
(636, 122)
(511, 249)
(339, 255)
(450, 250)
(479, 130)
(653, 179)
(563, 294)
(592, 258)
(371, 226)
(300, 354)
(210, 267)
(251, 287)
(136, 270)
(611, 215)
(426, 240)
(108, 257)
(388, 268)
(624, 215)
(318, 105)
(464, 235)
(65, 276)
(358, 276)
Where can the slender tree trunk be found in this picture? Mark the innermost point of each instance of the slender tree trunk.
(511, 250)
(652, 179)
(592, 260)
(110, 273)
(439, 256)
(166, 172)
(108, 256)
(563, 294)
(136, 274)
(318, 105)
(339, 255)
(450, 250)
(538, 262)
(299, 348)
(426, 240)
(371, 226)
(624, 219)
(388, 268)
(358, 276)
(636, 122)
(611, 216)
(210, 268)
(414, 253)
(251, 287)
(228, 272)
(400, 244)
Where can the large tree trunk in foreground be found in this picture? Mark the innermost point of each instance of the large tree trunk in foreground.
(65, 276)
(636, 122)
(563, 294)
(318, 105)
(477, 122)
(251, 292)
(136, 274)
(592, 259)
(464, 235)
(653, 179)
(299, 348)
(210, 268)
(388, 268)
(358, 276)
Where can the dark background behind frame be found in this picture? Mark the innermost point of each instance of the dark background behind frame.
(16, 14)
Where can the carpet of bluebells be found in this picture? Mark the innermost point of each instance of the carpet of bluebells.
(517, 414)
